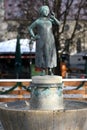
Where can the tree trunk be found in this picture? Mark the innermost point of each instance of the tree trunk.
(57, 5)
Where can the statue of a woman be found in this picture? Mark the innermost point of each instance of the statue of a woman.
(46, 57)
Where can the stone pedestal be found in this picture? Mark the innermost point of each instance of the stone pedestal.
(46, 93)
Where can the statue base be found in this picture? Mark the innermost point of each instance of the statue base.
(46, 93)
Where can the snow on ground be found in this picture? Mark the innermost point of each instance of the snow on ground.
(10, 46)
(72, 95)
(71, 88)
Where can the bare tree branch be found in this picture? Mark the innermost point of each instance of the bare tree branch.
(65, 13)
(68, 5)
(77, 18)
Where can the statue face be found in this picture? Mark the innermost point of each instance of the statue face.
(44, 11)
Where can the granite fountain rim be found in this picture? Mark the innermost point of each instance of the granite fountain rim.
(23, 109)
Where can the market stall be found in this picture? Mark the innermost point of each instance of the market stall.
(7, 58)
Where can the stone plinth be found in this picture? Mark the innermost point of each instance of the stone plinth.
(46, 93)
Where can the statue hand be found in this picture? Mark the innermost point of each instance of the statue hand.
(56, 21)
(52, 16)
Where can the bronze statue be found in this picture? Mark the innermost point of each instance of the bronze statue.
(46, 57)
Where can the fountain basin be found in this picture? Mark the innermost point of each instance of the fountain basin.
(18, 116)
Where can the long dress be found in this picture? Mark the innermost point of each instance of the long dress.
(45, 46)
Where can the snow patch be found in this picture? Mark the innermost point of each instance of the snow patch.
(10, 46)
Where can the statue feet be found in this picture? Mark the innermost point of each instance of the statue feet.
(50, 72)
(46, 72)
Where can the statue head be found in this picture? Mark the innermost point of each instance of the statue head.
(44, 11)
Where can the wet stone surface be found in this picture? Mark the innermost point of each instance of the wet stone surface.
(72, 105)
(24, 105)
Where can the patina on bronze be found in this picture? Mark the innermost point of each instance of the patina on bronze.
(46, 57)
